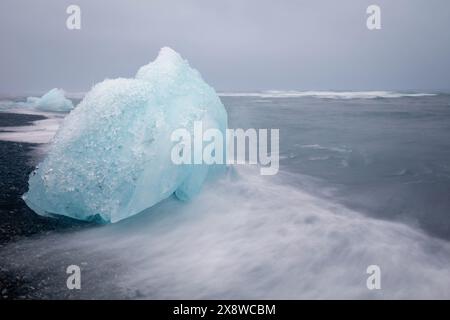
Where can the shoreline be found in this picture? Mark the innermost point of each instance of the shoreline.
(17, 221)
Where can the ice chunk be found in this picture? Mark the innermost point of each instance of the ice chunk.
(54, 100)
(111, 158)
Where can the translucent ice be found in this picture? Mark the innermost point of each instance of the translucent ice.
(54, 100)
(111, 158)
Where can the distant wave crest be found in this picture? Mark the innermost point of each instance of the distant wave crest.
(326, 94)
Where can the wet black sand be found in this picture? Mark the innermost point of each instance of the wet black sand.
(17, 119)
(17, 221)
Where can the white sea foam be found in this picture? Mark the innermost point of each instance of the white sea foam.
(325, 94)
(248, 236)
(319, 147)
(41, 131)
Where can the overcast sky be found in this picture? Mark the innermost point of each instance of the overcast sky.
(238, 45)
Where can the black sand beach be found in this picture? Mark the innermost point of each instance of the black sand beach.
(16, 219)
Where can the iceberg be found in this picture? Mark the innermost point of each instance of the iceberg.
(111, 157)
(54, 100)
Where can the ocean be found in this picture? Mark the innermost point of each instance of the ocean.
(388, 158)
(364, 180)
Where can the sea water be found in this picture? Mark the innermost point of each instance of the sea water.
(364, 180)
(386, 157)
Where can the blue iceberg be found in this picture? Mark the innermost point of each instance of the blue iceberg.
(54, 101)
(111, 157)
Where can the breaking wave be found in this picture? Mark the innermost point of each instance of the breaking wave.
(245, 237)
(326, 94)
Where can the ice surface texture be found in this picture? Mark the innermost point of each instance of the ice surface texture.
(54, 100)
(111, 158)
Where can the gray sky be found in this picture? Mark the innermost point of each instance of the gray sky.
(235, 44)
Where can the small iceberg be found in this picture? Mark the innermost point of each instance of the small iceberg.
(54, 101)
(111, 157)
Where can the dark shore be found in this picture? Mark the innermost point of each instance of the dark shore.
(17, 221)
(17, 119)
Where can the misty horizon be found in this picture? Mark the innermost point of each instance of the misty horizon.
(236, 46)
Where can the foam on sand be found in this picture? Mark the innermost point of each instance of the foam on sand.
(245, 237)
(41, 131)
